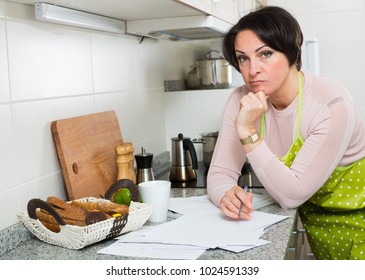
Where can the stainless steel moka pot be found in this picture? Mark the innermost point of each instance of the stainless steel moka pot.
(144, 167)
(184, 160)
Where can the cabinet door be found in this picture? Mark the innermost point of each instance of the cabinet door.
(201, 5)
(226, 10)
(232, 10)
(246, 6)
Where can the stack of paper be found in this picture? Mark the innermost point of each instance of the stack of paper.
(184, 205)
(202, 226)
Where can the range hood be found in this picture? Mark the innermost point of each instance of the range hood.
(180, 28)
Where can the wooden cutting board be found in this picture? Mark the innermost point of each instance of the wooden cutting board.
(86, 151)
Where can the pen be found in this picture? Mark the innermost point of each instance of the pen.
(253, 187)
(245, 188)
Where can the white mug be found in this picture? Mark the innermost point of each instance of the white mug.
(156, 193)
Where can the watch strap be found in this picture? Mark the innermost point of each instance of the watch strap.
(250, 139)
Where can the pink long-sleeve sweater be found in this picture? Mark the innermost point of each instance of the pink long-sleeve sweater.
(331, 126)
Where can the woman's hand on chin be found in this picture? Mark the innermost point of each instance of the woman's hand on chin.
(252, 106)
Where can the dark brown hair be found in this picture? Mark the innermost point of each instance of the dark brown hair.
(275, 26)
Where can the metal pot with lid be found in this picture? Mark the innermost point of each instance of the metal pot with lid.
(214, 72)
(208, 140)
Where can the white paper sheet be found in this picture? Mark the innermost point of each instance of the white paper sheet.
(167, 251)
(139, 236)
(184, 205)
(153, 250)
(239, 249)
(145, 235)
(134, 244)
(202, 226)
(209, 228)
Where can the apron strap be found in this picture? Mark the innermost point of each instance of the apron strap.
(262, 126)
(299, 113)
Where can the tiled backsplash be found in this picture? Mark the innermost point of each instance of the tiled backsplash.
(51, 72)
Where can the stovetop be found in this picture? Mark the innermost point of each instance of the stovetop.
(201, 182)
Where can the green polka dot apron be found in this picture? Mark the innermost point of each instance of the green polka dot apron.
(334, 217)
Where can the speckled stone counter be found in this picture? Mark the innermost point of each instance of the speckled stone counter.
(278, 234)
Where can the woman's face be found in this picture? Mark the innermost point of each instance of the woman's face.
(262, 67)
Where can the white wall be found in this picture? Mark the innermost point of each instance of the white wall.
(50, 72)
(340, 27)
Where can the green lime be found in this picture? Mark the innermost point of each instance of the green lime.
(123, 196)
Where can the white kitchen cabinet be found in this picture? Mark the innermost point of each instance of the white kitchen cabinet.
(246, 6)
(126, 9)
(232, 10)
(223, 9)
(228, 10)
(202, 5)
(165, 19)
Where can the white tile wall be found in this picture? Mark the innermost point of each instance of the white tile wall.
(33, 147)
(7, 162)
(45, 59)
(116, 63)
(9, 207)
(51, 72)
(141, 116)
(193, 113)
(4, 76)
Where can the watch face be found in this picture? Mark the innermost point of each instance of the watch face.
(255, 137)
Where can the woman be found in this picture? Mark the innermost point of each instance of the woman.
(301, 133)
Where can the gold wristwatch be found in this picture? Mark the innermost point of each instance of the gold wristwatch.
(250, 139)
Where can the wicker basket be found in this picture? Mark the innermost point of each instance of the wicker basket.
(77, 237)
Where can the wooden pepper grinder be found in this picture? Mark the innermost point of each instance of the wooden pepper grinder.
(124, 162)
(130, 151)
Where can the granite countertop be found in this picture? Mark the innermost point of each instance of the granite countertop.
(278, 234)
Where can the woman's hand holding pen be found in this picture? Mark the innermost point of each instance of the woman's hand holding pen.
(237, 203)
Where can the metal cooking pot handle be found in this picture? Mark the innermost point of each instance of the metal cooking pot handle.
(198, 141)
(209, 54)
(214, 72)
